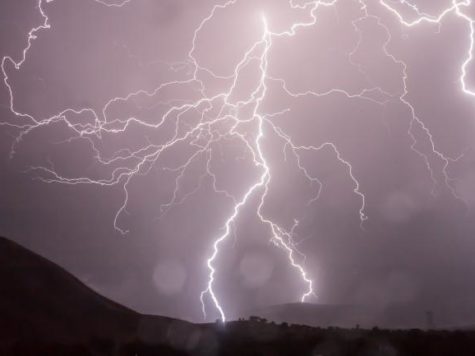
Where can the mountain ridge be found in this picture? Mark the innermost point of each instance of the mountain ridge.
(40, 300)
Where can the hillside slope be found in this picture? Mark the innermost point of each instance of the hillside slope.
(42, 303)
(40, 300)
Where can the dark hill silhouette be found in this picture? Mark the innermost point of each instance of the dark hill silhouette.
(345, 316)
(41, 302)
(44, 310)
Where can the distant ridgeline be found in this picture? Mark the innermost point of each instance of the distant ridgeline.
(46, 311)
(346, 316)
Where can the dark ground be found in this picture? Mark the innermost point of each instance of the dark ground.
(46, 311)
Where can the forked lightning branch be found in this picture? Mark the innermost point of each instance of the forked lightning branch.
(220, 119)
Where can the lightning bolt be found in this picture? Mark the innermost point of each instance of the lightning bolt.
(421, 17)
(220, 118)
(279, 236)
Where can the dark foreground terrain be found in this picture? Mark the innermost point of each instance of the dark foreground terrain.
(46, 311)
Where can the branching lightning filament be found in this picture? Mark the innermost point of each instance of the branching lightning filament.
(219, 119)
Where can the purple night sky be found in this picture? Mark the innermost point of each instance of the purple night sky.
(340, 130)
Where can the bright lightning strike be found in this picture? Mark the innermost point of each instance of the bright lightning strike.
(220, 119)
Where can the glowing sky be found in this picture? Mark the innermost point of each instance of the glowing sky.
(248, 152)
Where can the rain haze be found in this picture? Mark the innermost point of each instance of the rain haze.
(335, 158)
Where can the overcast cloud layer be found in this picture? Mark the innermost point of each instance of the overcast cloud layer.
(416, 247)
